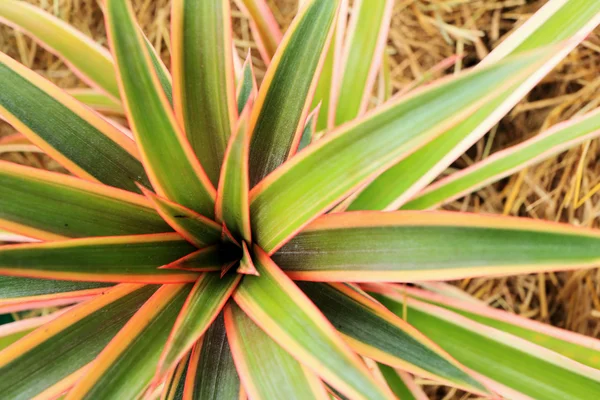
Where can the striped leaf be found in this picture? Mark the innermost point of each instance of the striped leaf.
(330, 76)
(232, 206)
(211, 258)
(107, 259)
(561, 23)
(175, 382)
(204, 94)
(246, 85)
(285, 96)
(49, 206)
(60, 348)
(97, 100)
(281, 310)
(375, 332)
(582, 349)
(309, 128)
(515, 367)
(559, 138)
(205, 301)
(401, 383)
(127, 364)
(90, 61)
(78, 138)
(18, 294)
(162, 73)
(163, 145)
(362, 54)
(246, 266)
(195, 228)
(212, 374)
(323, 174)
(266, 369)
(13, 331)
(264, 27)
(411, 246)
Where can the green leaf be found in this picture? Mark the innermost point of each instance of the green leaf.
(12, 331)
(580, 348)
(92, 62)
(363, 50)
(127, 364)
(163, 145)
(562, 24)
(49, 206)
(410, 246)
(401, 383)
(282, 311)
(503, 163)
(204, 92)
(246, 86)
(519, 367)
(323, 174)
(205, 301)
(232, 206)
(79, 139)
(265, 29)
(284, 98)
(266, 369)
(175, 382)
(162, 73)
(66, 344)
(211, 258)
(98, 101)
(18, 294)
(330, 75)
(375, 332)
(309, 128)
(212, 374)
(106, 259)
(195, 228)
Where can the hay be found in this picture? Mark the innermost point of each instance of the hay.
(425, 32)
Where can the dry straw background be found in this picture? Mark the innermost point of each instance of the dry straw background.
(423, 33)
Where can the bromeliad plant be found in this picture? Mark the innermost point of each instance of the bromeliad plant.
(235, 244)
